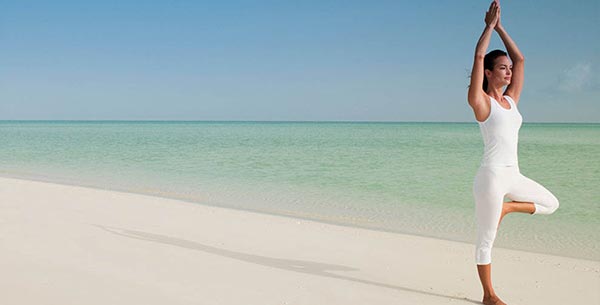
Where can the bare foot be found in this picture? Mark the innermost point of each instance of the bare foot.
(495, 300)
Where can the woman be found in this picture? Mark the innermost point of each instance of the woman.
(499, 121)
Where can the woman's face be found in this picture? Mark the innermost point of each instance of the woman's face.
(502, 73)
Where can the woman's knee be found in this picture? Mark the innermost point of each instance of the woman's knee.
(548, 206)
(554, 204)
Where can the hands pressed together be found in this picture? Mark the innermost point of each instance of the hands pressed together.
(492, 16)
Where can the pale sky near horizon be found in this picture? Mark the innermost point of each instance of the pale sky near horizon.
(286, 60)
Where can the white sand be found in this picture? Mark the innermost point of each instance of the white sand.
(73, 245)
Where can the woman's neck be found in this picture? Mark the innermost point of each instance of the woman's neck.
(496, 93)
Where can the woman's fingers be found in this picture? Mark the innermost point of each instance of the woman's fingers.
(492, 15)
(491, 9)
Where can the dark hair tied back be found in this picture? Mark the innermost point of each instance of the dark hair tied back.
(488, 64)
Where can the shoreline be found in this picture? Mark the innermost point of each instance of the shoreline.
(291, 215)
(64, 243)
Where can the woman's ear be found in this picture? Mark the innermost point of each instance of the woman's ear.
(487, 73)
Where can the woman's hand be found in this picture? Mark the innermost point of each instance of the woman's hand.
(498, 25)
(492, 16)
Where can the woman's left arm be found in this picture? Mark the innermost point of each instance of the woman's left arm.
(516, 85)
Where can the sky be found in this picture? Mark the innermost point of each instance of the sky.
(287, 60)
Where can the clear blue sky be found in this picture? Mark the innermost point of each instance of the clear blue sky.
(286, 60)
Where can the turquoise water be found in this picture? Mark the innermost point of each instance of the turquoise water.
(403, 177)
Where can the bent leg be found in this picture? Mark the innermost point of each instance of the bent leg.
(527, 190)
(516, 206)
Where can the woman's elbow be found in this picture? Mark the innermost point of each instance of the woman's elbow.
(519, 58)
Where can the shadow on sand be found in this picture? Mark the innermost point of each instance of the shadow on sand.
(306, 267)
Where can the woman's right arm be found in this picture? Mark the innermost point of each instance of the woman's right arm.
(477, 98)
(476, 93)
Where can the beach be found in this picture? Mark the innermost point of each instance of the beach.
(298, 153)
(409, 178)
(65, 244)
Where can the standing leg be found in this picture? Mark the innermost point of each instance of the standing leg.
(489, 195)
(489, 296)
(488, 192)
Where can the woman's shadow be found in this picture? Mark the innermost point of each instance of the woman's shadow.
(307, 267)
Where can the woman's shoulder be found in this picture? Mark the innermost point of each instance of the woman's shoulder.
(510, 99)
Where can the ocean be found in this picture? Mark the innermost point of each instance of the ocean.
(413, 178)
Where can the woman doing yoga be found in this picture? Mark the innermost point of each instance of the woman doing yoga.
(499, 120)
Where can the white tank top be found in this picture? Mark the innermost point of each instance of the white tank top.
(500, 133)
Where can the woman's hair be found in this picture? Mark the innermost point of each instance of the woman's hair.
(488, 64)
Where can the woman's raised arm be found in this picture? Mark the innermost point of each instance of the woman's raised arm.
(516, 85)
(477, 97)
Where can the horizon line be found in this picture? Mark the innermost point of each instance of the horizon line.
(271, 121)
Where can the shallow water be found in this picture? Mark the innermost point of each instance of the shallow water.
(403, 177)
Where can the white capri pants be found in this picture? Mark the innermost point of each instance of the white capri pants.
(491, 185)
